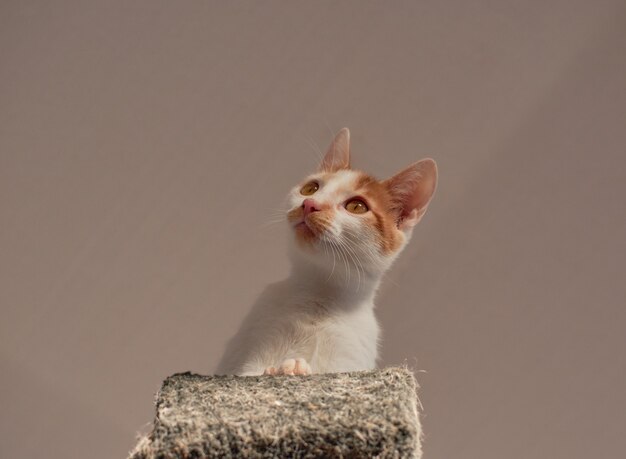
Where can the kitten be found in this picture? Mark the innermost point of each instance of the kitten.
(348, 228)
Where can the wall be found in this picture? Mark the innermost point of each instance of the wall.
(145, 144)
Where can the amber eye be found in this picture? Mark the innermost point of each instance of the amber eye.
(356, 206)
(309, 188)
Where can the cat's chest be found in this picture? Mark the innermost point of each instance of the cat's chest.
(343, 342)
(332, 327)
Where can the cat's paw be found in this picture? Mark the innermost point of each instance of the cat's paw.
(270, 371)
(297, 367)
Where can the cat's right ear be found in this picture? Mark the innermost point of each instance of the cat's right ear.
(337, 156)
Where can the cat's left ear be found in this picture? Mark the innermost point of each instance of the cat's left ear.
(337, 156)
(411, 191)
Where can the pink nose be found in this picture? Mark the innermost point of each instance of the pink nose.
(310, 205)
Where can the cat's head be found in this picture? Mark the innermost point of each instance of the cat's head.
(342, 217)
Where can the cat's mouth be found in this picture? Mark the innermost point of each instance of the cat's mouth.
(310, 228)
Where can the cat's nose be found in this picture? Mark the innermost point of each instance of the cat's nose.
(310, 205)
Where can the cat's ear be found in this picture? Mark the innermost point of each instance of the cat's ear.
(411, 191)
(337, 156)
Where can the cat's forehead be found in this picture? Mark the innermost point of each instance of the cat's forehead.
(348, 182)
(338, 180)
(342, 180)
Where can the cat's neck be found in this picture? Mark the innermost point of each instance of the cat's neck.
(340, 287)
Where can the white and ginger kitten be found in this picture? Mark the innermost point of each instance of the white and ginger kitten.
(348, 228)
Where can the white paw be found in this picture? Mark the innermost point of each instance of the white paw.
(290, 367)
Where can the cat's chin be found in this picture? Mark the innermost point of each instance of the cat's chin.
(305, 234)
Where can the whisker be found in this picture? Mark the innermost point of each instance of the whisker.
(269, 223)
(344, 259)
(333, 252)
(368, 251)
(348, 250)
(316, 149)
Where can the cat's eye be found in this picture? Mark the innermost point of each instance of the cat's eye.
(309, 188)
(356, 206)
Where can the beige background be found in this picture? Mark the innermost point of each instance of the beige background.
(144, 144)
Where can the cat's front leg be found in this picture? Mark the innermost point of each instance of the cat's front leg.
(297, 367)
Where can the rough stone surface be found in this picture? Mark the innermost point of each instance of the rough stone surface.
(351, 415)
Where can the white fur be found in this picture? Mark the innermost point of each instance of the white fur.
(324, 311)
